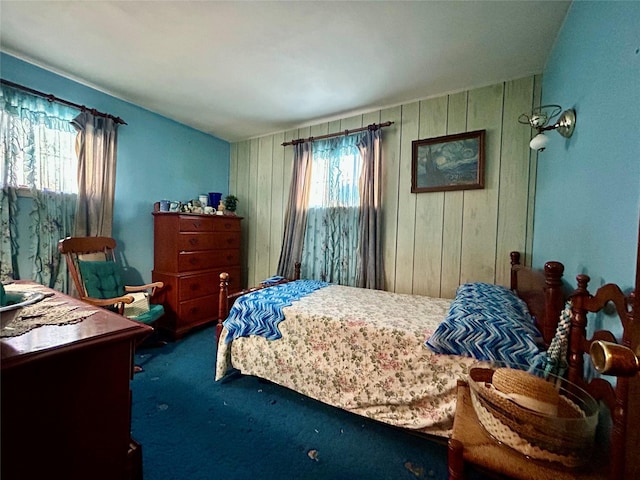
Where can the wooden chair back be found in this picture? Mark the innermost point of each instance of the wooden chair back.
(88, 249)
(615, 398)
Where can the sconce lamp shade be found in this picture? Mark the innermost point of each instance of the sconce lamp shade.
(539, 118)
(539, 142)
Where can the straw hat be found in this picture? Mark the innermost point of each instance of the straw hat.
(527, 390)
(532, 408)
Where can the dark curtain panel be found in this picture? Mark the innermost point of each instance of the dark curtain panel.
(296, 215)
(371, 274)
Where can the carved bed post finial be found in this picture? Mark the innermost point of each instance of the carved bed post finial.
(296, 275)
(223, 302)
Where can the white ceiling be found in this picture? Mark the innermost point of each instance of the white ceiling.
(242, 69)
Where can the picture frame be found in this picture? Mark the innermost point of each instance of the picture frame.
(450, 162)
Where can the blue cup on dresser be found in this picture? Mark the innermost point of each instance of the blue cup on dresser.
(214, 199)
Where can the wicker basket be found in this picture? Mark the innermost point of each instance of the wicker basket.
(548, 420)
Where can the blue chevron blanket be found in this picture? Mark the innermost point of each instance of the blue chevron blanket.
(488, 322)
(260, 312)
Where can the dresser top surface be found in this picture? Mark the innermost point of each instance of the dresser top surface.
(202, 215)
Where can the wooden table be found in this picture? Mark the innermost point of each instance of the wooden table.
(470, 444)
(66, 399)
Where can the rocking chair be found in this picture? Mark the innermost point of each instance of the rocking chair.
(92, 264)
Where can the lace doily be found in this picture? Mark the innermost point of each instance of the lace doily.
(49, 311)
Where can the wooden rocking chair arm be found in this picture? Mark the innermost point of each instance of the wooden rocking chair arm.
(105, 302)
(140, 288)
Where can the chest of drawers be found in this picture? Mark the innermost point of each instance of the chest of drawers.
(190, 252)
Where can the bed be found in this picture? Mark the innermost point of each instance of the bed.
(366, 351)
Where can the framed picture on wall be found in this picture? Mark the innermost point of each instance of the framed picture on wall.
(451, 162)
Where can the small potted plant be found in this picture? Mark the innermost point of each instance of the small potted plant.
(230, 204)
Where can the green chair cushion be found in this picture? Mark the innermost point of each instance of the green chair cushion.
(154, 313)
(101, 279)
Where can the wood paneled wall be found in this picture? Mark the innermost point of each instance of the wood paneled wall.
(432, 242)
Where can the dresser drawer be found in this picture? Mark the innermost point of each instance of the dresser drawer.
(225, 224)
(191, 261)
(194, 286)
(203, 284)
(193, 311)
(205, 223)
(208, 241)
(189, 223)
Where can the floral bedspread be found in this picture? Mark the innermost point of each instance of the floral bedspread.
(360, 350)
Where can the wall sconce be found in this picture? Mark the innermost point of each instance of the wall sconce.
(540, 117)
(613, 359)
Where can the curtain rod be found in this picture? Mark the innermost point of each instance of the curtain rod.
(53, 98)
(373, 126)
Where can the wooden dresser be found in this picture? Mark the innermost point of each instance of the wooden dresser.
(66, 398)
(190, 253)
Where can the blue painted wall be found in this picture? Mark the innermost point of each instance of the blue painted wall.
(157, 158)
(588, 187)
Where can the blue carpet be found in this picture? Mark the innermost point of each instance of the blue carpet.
(192, 428)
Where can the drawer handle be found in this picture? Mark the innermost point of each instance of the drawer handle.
(231, 241)
(193, 241)
(196, 224)
(194, 310)
(227, 226)
(195, 286)
(194, 261)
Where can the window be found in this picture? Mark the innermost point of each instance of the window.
(334, 211)
(333, 218)
(334, 176)
(37, 143)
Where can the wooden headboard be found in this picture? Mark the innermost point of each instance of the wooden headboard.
(542, 291)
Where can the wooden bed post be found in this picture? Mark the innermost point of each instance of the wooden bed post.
(296, 274)
(554, 298)
(542, 292)
(515, 261)
(223, 302)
